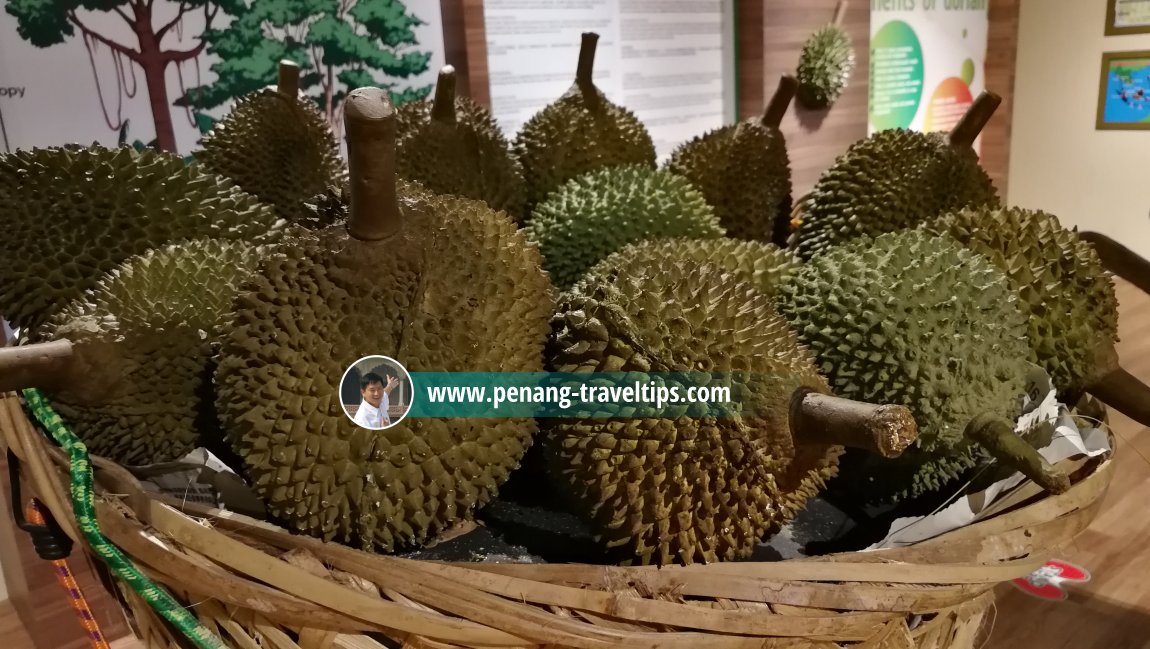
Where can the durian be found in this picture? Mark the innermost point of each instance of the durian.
(438, 283)
(276, 145)
(743, 171)
(897, 179)
(917, 320)
(458, 149)
(131, 370)
(596, 214)
(1067, 294)
(73, 213)
(826, 63)
(697, 488)
(580, 132)
(764, 265)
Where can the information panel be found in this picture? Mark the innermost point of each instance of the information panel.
(669, 61)
(927, 62)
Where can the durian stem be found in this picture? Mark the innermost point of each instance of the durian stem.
(1123, 391)
(840, 13)
(369, 121)
(826, 419)
(773, 115)
(443, 106)
(997, 436)
(1120, 260)
(975, 119)
(289, 79)
(39, 365)
(585, 72)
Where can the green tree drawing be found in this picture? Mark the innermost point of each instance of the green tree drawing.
(339, 45)
(45, 23)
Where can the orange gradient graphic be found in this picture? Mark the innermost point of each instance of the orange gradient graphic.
(947, 105)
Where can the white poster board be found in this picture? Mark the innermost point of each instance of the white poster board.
(927, 62)
(70, 74)
(671, 62)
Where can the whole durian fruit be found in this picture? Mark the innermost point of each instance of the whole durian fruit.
(458, 149)
(897, 179)
(438, 283)
(132, 358)
(743, 171)
(579, 132)
(596, 214)
(687, 489)
(1068, 297)
(71, 214)
(917, 320)
(276, 145)
(826, 63)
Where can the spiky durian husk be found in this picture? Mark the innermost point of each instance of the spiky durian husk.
(277, 148)
(457, 289)
(764, 265)
(327, 208)
(825, 66)
(600, 212)
(144, 338)
(689, 489)
(73, 213)
(1069, 296)
(916, 320)
(470, 159)
(743, 172)
(892, 180)
(577, 134)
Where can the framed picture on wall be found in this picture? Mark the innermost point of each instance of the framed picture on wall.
(1124, 91)
(1127, 17)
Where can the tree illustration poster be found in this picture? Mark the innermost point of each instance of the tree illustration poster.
(926, 62)
(160, 73)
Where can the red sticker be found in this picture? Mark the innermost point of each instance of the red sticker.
(1047, 582)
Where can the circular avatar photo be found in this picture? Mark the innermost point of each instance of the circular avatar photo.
(376, 392)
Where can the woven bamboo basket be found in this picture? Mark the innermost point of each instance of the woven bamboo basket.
(258, 587)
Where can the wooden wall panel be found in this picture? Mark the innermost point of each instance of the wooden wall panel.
(465, 45)
(1001, 53)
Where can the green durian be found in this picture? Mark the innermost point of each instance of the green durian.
(897, 179)
(580, 132)
(694, 489)
(72, 213)
(276, 145)
(458, 149)
(825, 64)
(917, 320)
(1068, 297)
(135, 383)
(743, 171)
(596, 214)
(438, 283)
(763, 265)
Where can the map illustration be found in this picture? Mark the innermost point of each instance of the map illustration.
(1127, 92)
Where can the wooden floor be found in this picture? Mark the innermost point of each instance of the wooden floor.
(1110, 612)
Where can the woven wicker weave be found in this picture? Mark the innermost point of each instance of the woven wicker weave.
(261, 588)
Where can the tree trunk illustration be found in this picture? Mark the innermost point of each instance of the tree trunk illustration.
(158, 97)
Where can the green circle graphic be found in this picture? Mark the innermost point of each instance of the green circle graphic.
(968, 71)
(895, 76)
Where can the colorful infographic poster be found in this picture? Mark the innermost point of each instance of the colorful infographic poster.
(926, 62)
(161, 72)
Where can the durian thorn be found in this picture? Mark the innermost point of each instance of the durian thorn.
(443, 106)
(288, 79)
(823, 419)
(585, 72)
(997, 436)
(369, 123)
(1120, 260)
(39, 365)
(975, 119)
(777, 108)
(1123, 391)
(840, 13)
